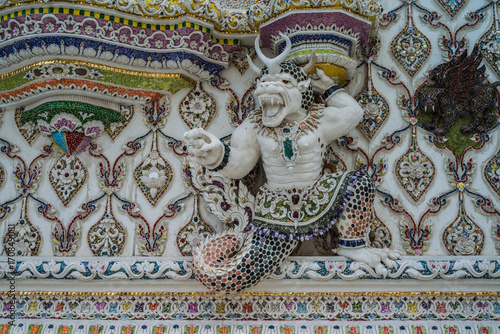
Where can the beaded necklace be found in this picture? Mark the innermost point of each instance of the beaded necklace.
(288, 135)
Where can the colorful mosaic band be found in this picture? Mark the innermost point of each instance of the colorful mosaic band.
(351, 243)
(224, 19)
(333, 268)
(181, 327)
(369, 306)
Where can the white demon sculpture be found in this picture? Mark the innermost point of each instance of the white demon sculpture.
(291, 135)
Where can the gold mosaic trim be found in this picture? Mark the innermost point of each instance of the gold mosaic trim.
(102, 67)
(116, 19)
(261, 294)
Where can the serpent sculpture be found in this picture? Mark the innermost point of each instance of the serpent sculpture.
(290, 134)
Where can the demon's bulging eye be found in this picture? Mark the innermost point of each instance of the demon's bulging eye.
(286, 82)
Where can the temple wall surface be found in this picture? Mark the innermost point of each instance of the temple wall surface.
(98, 215)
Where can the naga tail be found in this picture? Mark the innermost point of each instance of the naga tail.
(233, 262)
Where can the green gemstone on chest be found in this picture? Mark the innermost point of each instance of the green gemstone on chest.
(288, 146)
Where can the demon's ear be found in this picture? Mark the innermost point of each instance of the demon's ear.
(303, 85)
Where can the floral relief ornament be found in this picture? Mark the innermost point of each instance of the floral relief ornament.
(380, 235)
(410, 47)
(375, 107)
(154, 174)
(463, 236)
(107, 236)
(492, 172)
(23, 239)
(239, 58)
(489, 44)
(67, 177)
(29, 130)
(191, 234)
(198, 108)
(415, 172)
(452, 6)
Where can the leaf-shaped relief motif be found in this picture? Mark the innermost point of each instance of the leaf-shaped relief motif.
(463, 236)
(411, 48)
(452, 6)
(107, 236)
(376, 110)
(154, 174)
(191, 234)
(239, 58)
(67, 176)
(492, 172)
(380, 235)
(28, 130)
(489, 44)
(114, 129)
(22, 239)
(415, 172)
(198, 108)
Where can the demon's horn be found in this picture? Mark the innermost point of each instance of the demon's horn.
(253, 67)
(310, 65)
(273, 64)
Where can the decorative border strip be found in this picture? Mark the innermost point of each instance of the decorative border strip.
(225, 20)
(193, 62)
(340, 327)
(102, 67)
(370, 306)
(319, 270)
(121, 20)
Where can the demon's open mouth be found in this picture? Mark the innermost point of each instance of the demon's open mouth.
(272, 106)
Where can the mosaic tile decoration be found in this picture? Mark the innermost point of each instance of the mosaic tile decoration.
(191, 234)
(375, 107)
(198, 108)
(107, 236)
(225, 19)
(94, 70)
(332, 268)
(490, 47)
(153, 176)
(463, 236)
(492, 172)
(141, 60)
(177, 327)
(43, 86)
(197, 306)
(67, 176)
(90, 23)
(22, 239)
(415, 172)
(411, 48)
(452, 6)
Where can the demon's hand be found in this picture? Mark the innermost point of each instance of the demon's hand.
(321, 82)
(204, 148)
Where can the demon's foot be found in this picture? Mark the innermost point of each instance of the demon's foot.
(374, 257)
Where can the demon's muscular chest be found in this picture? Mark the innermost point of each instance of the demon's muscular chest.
(292, 153)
